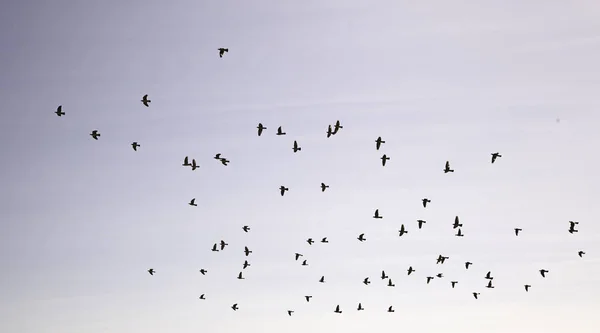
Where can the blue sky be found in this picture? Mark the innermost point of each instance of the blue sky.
(81, 220)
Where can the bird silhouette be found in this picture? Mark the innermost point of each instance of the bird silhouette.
(441, 259)
(222, 51)
(456, 223)
(151, 271)
(337, 127)
(447, 168)
(366, 281)
(308, 298)
(260, 128)
(324, 240)
(59, 111)
(217, 156)
(282, 190)
(214, 248)
(324, 187)
(527, 287)
(223, 244)
(378, 143)
(475, 295)
(459, 233)
(361, 237)
(280, 131)
(145, 100)
(489, 285)
(246, 264)
(193, 202)
(247, 251)
(390, 309)
(322, 279)
(134, 145)
(383, 276)
(296, 148)
(517, 230)
(203, 271)
(384, 158)
(337, 309)
(376, 215)
(310, 241)
(425, 202)
(453, 283)
(421, 222)
(429, 278)
(581, 253)
(572, 225)
(186, 162)
(402, 231)
(194, 165)
(240, 277)
(329, 131)
(495, 156)
(298, 255)
(201, 297)
(390, 284)
(234, 307)
(224, 161)
(360, 308)
(246, 228)
(489, 276)
(410, 270)
(290, 312)
(543, 272)
(439, 275)
(304, 263)
(95, 134)
(467, 264)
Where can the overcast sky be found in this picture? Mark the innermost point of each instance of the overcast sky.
(81, 221)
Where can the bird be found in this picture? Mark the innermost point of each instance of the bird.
(459, 233)
(378, 143)
(234, 307)
(214, 248)
(322, 279)
(572, 227)
(489, 276)
(260, 128)
(361, 237)
(447, 168)
(337, 127)
(429, 278)
(201, 297)
(581, 253)
(296, 148)
(489, 285)
(222, 243)
(527, 287)
(421, 222)
(495, 156)
(324, 240)
(425, 202)
(543, 272)
(467, 264)
(135, 145)
(456, 223)
(240, 277)
(222, 51)
(384, 158)
(151, 271)
(329, 131)
(360, 308)
(453, 283)
(475, 295)
(95, 134)
(290, 312)
(390, 284)
(310, 241)
(298, 255)
(304, 263)
(246, 264)
(193, 202)
(366, 281)
(308, 298)
(224, 161)
(337, 309)
(376, 215)
(246, 228)
(383, 276)
(441, 259)
(247, 251)
(390, 309)
(440, 275)
(402, 231)
(194, 165)
(280, 131)
(59, 111)
(203, 271)
(217, 156)
(186, 162)
(282, 190)
(146, 101)
(410, 270)
(324, 187)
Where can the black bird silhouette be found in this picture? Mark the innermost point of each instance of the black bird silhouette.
(194, 165)
(543, 272)
(260, 128)
(425, 202)
(145, 100)
(410, 270)
(214, 248)
(59, 111)
(310, 241)
(489, 285)
(429, 278)
(581, 253)
(421, 222)
(135, 145)
(378, 143)
(527, 287)
(296, 148)
(185, 162)
(298, 255)
(453, 283)
(383, 276)
(193, 202)
(222, 51)
(324, 240)
(246, 264)
(224, 161)
(467, 264)
(361, 237)
(308, 298)
(495, 156)
(572, 226)
(329, 131)
(151, 271)
(282, 190)
(475, 295)
(201, 297)
(324, 187)
(234, 307)
(441, 259)
(95, 134)
(322, 279)
(390, 284)
(217, 156)
(337, 309)
(337, 127)
(223, 244)
(459, 233)
(246, 228)
(439, 275)
(489, 276)
(376, 215)
(280, 131)
(247, 251)
(366, 281)
(384, 158)
(447, 168)
(402, 231)
(290, 312)
(203, 271)
(240, 277)
(304, 263)
(456, 223)
(517, 231)
(360, 308)
(390, 309)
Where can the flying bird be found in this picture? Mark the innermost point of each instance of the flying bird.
(447, 168)
(246, 264)
(378, 143)
(402, 231)
(421, 222)
(441, 259)
(376, 215)
(260, 128)
(383, 276)
(59, 111)
(361, 237)
(467, 264)
(324, 240)
(384, 158)
(410, 270)
(135, 145)
(517, 231)
(475, 295)
(201, 297)
(214, 248)
(304, 263)
(194, 165)
(217, 156)
(240, 277)
(151, 271)
(246, 228)
(282, 190)
(337, 309)
(360, 308)
(429, 278)
(390, 309)
(203, 271)
(366, 281)
(543, 272)
(390, 284)
(310, 241)
(280, 131)
(581, 253)
(223, 244)
(440, 275)
(234, 307)
(329, 131)
(224, 161)
(453, 283)
(456, 223)
(193, 202)
(324, 187)
(489, 276)
(186, 162)
(495, 156)
(222, 51)
(527, 287)
(322, 279)
(337, 127)
(296, 148)
(146, 101)
(290, 312)
(489, 285)
(247, 251)
(95, 134)
(459, 233)
(425, 202)
(308, 298)
(298, 255)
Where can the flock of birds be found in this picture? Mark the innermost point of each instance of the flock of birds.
(333, 130)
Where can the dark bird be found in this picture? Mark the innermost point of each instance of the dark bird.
(329, 131)
(402, 231)
(543, 272)
(495, 156)
(384, 158)
(337, 127)
(135, 145)
(310, 241)
(324, 240)
(59, 111)
(581, 253)
(290, 312)
(201, 297)
(260, 128)
(322, 279)
(95, 134)
(475, 295)
(429, 278)
(376, 215)
(185, 162)
(203, 271)
(425, 202)
(489, 285)
(193, 202)
(308, 298)
(390, 309)
(456, 223)
(222, 51)
(282, 190)
(145, 100)
(447, 168)
(440, 275)
(217, 156)
(246, 264)
(337, 309)
(224, 161)
(421, 222)
(441, 259)
(378, 143)
(459, 233)
(324, 187)
(296, 148)
(410, 270)
(304, 263)
(390, 284)
(467, 264)
(194, 165)
(151, 271)
(527, 287)
(246, 228)
(361, 237)
(489, 276)
(280, 131)
(572, 230)
(517, 231)
(240, 277)
(298, 255)
(247, 251)
(360, 308)
(234, 307)
(223, 244)
(453, 283)
(383, 276)
(572, 226)
(366, 281)
(214, 248)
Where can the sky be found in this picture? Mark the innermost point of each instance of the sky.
(81, 221)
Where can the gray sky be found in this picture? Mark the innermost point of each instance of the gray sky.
(81, 220)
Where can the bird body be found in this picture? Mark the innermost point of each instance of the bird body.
(378, 143)
(134, 145)
(425, 202)
(282, 190)
(495, 156)
(384, 159)
(95, 134)
(260, 128)
(447, 168)
(296, 148)
(280, 131)
(222, 51)
(59, 111)
(146, 101)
